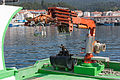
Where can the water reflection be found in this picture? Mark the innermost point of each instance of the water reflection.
(63, 29)
(23, 47)
(110, 36)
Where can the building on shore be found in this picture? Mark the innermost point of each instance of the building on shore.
(36, 13)
(96, 13)
(79, 13)
(20, 17)
(86, 14)
(107, 17)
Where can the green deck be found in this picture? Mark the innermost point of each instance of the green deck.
(44, 76)
(38, 72)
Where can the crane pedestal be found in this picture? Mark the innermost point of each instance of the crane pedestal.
(92, 69)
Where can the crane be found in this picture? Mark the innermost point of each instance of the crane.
(43, 18)
(64, 16)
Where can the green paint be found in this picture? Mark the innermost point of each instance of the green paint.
(113, 65)
(92, 69)
(7, 73)
(66, 69)
(48, 73)
(30, 71)
(45, 76)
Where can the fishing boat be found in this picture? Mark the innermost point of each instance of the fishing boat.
(108, 24)
(62, 66)
(16, 24)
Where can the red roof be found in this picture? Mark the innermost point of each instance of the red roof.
(96, 12)
(36, 10)
(21, 11)
(116, 12)
(101, 16)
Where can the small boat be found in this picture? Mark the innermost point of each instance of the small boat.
(108, 24)
(16, 24)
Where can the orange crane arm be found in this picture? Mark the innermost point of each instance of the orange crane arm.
(87, 24)
(41, 18)
(66, 16)
(90, 24)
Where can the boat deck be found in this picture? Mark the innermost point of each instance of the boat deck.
(42, 70)
(58, 77)
(50, 74)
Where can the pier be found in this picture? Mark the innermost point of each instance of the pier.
(104, 20)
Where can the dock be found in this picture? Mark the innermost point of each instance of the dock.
(105, 19)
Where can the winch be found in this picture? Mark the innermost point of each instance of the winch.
(62, 60)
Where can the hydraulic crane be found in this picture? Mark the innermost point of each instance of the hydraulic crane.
(44, 19)
(63, 60)
(67, 61)
(64, 16)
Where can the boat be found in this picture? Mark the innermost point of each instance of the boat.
(16, 24)
(62, 66)
(108, 24)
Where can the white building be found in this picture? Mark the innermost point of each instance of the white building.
(107, 13)
(116, 13)
(86, 14)
(96, 13)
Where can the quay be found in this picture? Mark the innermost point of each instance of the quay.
(104, 20)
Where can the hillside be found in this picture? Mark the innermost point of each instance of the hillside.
(85, 5)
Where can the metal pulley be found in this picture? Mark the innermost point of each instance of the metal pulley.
(98, 47)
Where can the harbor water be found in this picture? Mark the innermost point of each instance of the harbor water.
(25, 45)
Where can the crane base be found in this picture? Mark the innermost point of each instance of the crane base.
(92, 69)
